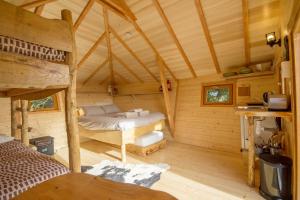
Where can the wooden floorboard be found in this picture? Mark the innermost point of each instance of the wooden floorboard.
(195, 173)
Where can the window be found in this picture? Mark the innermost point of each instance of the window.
(218, 94)
(47, 104)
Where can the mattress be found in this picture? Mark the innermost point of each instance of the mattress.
(22, 168)
(148, 139)
(118, 121)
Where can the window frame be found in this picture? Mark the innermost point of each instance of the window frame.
(232, 92)
(55, 108)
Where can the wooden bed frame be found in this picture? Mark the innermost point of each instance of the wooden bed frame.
(26, 76)
(121, 138)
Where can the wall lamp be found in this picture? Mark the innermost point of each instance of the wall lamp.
(271, 39)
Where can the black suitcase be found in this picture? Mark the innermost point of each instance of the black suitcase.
(44, 144)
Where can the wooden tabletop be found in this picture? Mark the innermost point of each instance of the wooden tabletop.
(264, 113)
(81, 186)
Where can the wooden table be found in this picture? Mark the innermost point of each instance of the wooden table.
(81, 186)
(249, 115)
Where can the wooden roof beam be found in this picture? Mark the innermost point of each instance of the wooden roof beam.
(95, 72)
(82, 15)
(38, 10)
(119, 7)
(141, 32)
(246, 31)
(127, 67)
(207, 35)
(91, 50)
(132, 53)
(174, 37)
(108, 44)
(35, 4)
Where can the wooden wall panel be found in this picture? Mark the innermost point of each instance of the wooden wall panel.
(5, 116)
(216, 128)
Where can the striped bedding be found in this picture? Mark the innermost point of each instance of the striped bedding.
(22, 168)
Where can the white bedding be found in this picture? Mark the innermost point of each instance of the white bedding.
(117, 121)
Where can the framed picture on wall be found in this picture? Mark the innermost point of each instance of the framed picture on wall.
(218, 94)
(49, 103)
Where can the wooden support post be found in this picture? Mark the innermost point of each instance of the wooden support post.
(166, 94)
(24, 130)
(13, 116)
(123, 153)
(70, 103)
(251, 152)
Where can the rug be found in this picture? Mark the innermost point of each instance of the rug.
(140, 174)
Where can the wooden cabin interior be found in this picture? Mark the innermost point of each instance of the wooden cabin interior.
(149, 99)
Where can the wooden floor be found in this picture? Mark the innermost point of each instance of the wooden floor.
(195, 173)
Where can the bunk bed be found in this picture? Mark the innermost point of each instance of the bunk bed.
(38, 59)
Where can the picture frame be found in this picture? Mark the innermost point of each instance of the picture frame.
(218, 94)
(48, 104)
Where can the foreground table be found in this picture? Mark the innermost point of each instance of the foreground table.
(81, 186)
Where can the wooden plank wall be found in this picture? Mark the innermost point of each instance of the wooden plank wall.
(216, 128)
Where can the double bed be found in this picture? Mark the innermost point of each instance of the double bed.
(108, 124)
(22, 168)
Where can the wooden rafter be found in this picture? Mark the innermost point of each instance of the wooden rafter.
(139, 30)
(174, 37)
(95, 72)
(35, 4)
(246, 31)
(121, 77)
(119, 7)
(91, 50)
(132, 53)
(38, 10)
(108, 44)
(82, 15)
(207, 35)
(166, 95)
(127, 67)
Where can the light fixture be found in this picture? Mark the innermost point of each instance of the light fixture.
(271, 39)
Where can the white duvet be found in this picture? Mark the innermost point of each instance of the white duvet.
(117, 121)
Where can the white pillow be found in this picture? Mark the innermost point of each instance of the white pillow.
(110, 108)
(5, 138)
(93, 110)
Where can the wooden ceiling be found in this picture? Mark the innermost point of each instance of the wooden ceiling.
(193, 37)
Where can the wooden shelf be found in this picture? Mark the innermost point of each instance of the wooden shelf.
(265, 113)
(254, 74)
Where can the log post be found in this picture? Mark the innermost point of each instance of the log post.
(70, 102)
(13, 117)
(166, 95)
(24, 129)
(251, 152)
